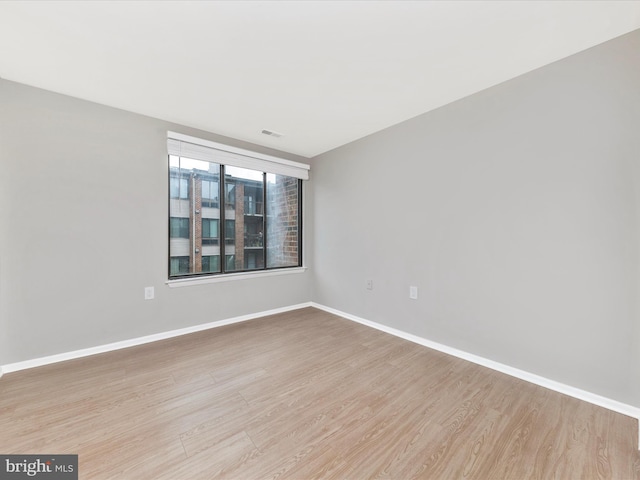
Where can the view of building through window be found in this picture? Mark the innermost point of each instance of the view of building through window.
(256, 213)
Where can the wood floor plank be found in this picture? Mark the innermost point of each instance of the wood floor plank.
(304, 395)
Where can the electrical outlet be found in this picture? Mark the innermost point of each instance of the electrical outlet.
(413, 293)
(149, 293)
(369, 284)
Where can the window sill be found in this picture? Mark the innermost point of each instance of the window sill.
(229, 277)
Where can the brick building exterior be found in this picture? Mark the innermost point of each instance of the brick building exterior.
(238, 232)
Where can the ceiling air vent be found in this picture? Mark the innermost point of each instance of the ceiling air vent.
(271, 133)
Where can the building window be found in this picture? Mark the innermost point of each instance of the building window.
(178, 187)
(259, 216)
(179, 227)
(211, 263)
(230, 198)
(230, 263)
(229, 232)
(210, 233)
(210, 193)
(179, 265)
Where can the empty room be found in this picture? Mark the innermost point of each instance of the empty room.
(320, 239)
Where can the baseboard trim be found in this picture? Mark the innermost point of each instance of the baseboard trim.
(559, 387)
(109, 347)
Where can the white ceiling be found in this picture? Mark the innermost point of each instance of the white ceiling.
(322, 73)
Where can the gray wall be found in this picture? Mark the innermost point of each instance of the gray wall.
(83, 212)
(515, 212)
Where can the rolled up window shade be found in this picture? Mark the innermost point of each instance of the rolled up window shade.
(199, 149)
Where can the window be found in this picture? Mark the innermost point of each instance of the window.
(229, 232)
(210, 231)
(178, 187)
(211, 263)
(179, 227)
(210, 193)
(253, 260)
(283, 226)
(179, 265)
(259, 215)
(230, 263)
(231, 195)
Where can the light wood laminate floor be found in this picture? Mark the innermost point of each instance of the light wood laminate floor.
(305, 395)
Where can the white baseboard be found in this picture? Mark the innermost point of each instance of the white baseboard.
(599, 400)
(85, 352)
